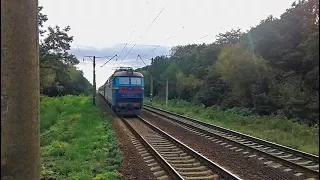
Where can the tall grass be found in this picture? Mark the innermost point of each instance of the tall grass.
(277, 129)
(77, 142)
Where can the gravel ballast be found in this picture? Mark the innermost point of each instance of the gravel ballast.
(133, 166)
(242, 165)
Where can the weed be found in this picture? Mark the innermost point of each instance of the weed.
(77, 141)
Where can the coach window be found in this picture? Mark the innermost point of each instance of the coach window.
(124, 80)
(136, 81)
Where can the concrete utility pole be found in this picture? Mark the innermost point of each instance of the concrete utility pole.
(94, 82)
(167, 92)
(20, 90)
(94, 91)
(151, 83)
(94, 79)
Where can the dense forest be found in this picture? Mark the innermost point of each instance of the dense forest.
(272, 69)
(58, 73)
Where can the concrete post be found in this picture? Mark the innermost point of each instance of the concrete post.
(167, 92)
(20, 90)
(94, 82)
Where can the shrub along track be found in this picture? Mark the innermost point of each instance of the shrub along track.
(239, 156)
(178, 160)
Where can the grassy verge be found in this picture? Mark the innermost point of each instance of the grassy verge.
(77, 142)
(272, 128)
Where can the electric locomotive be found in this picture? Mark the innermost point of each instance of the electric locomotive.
(124, 91)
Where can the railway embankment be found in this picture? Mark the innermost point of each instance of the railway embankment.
(277, 129)
(241, 160)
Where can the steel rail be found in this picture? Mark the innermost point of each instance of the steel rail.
(169, 169)
(297, 153)
(215, 167)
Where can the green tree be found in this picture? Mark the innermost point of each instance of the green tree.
(171, 75)
(272, 68)
(58, 74)
(230, 37)
(244, 72)
(212, 90)
(290, 43)
(187, 86)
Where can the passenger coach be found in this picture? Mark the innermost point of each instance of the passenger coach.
(124, 91)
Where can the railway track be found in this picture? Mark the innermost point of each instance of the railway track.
(177, 160)
(300, 162)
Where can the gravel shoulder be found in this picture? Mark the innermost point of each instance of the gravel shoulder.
(133, 166)
(242, 165)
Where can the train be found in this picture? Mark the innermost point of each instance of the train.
(124, 91)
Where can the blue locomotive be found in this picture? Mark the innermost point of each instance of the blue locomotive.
(124, 91)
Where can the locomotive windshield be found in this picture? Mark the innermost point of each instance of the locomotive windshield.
(136, 81)
(132, 80)
(124, 80)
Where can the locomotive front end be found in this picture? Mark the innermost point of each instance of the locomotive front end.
(128, 93)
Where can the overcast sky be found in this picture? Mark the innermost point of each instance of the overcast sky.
(102, 27)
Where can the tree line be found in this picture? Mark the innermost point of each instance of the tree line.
(58, 73)
(271, 69)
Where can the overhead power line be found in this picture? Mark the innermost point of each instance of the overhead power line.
(130, 50)
(152, 50)
(130, 35)
(147, 29)
(155, 18)
(123, 49)
(156, 47)
(101, 57)
(108, 60)
(127, 54)
(137, 57)
(146, 57)
(204, 36)
(141, 59)
(94, 75)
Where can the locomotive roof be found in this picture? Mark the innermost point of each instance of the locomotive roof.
(126, 73)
